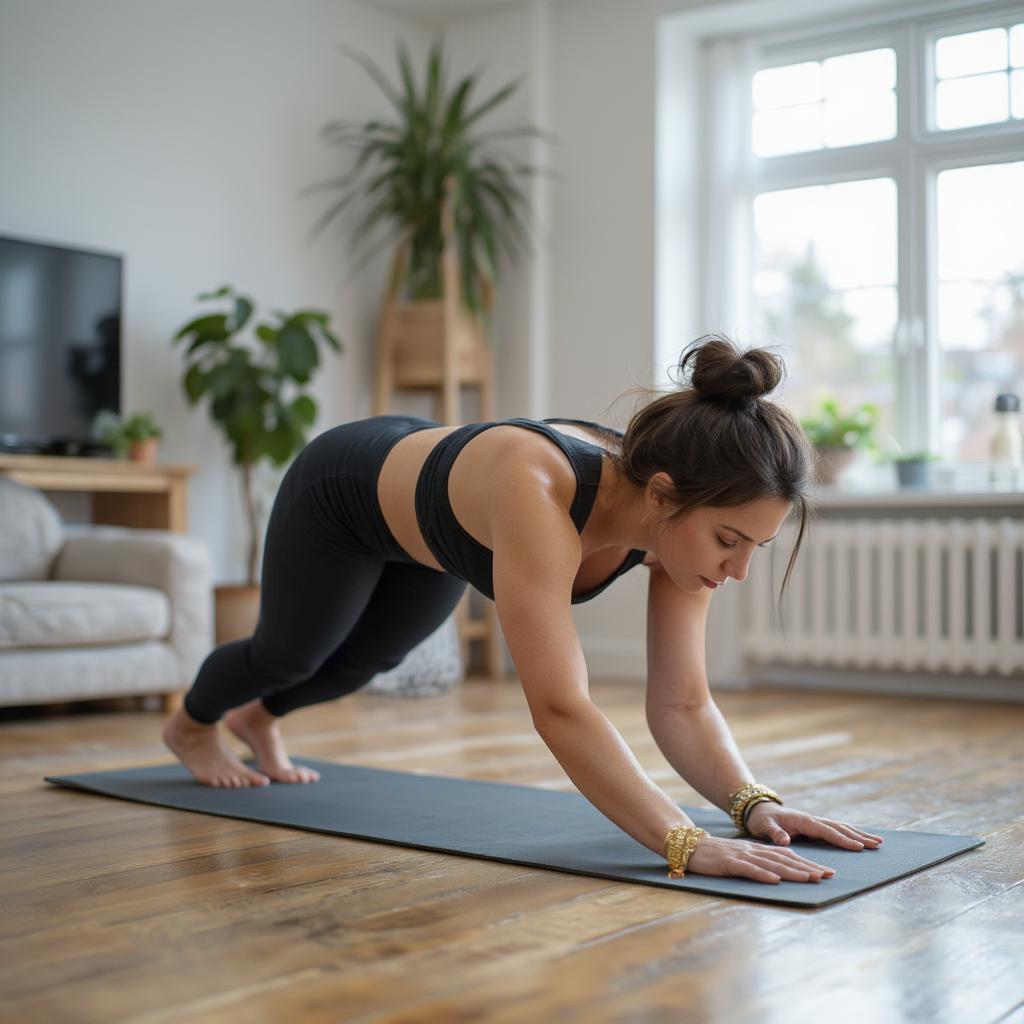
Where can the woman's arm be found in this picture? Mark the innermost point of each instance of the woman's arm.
(536, 556)
(684, 720)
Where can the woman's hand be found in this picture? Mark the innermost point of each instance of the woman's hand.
(736, 858)
(769, 820)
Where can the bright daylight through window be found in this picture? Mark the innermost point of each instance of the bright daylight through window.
(889, 223)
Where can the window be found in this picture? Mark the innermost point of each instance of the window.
(979, 77)
(840, 101)
(826, 281)
(888, 219)
(980, 322)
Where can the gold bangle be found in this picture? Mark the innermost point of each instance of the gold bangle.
(744, 798)
(679, 846)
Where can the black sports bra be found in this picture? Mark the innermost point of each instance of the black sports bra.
(463, 555)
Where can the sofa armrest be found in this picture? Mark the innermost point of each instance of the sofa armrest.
(177, 564)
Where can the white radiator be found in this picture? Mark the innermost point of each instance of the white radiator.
(939, 595)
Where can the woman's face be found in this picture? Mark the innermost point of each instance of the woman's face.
(712, 543)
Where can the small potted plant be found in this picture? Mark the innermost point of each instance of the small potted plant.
(136, 437)
(837, 435)
(256, 391)
(913, 469)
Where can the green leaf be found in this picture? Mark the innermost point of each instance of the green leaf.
(408, 84)
(279, 442)
(332, 340)
(212, 328)
(195, 382)
(296, 352)
(200, 341)
(243, 310)
(435, 82)
(218, 294)
(374, 71)
(489, 104)
(304, 410)
(312, 314)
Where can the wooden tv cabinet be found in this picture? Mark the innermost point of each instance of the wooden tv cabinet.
(123, 493)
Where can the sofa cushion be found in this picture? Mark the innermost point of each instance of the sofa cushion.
(32, 533)
(55, 614)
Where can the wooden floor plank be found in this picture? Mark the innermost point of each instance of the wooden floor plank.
(119, 911)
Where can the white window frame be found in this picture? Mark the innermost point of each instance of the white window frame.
(913, 159)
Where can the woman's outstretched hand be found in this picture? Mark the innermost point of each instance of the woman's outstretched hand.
(739, 859)
(769, 820)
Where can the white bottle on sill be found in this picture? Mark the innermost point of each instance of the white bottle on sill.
(1007, 444)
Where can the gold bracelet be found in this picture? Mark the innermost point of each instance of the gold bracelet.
(679, 846)
(744, 798)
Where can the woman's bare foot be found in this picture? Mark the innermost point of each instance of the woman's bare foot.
(253, 724)
(201, 750)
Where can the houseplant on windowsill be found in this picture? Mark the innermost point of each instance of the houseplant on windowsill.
(136, 437)
(837, 435)
(914, 468)
(255, 387)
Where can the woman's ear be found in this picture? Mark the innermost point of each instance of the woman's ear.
(658, 486)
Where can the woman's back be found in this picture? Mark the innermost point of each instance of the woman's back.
(475, 502)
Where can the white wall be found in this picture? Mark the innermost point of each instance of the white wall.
(180, 135)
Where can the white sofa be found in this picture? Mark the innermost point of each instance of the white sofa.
(96, 611)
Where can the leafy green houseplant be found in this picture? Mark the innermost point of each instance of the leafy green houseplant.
(837, 434)
(255, 385)
(404, 167)
(133, 435)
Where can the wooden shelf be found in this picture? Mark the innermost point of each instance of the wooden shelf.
(123, 493)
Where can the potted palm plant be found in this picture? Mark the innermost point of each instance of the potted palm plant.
(837, 434)
(429, 159)
(257, 398)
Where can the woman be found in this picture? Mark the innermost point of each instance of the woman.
(379, 524)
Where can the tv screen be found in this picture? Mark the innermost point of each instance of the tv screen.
(60, 345)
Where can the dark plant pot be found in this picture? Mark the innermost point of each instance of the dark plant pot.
(913, 474)
(830, 463)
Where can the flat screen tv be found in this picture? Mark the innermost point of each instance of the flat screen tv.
(60, 345)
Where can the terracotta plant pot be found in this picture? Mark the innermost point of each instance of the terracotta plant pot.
(144, 452)
(831, 462)
(236, 610)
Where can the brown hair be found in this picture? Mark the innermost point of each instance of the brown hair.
(719, 439)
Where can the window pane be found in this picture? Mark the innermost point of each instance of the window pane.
(787, 86)
(790, 130)
(981, 299)
(859, 103)
(1017, 93)
(858, 119)
(982, 221)
(867, 71)
(966, 101)
(1017, 46)
(971, 53)
(825, 290)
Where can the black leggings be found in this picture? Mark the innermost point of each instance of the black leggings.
(340, 600)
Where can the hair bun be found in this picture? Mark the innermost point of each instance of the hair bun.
(720, 372)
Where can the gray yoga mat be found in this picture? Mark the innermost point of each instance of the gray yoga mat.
(516, 824)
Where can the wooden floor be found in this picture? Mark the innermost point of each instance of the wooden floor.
(113, 911)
